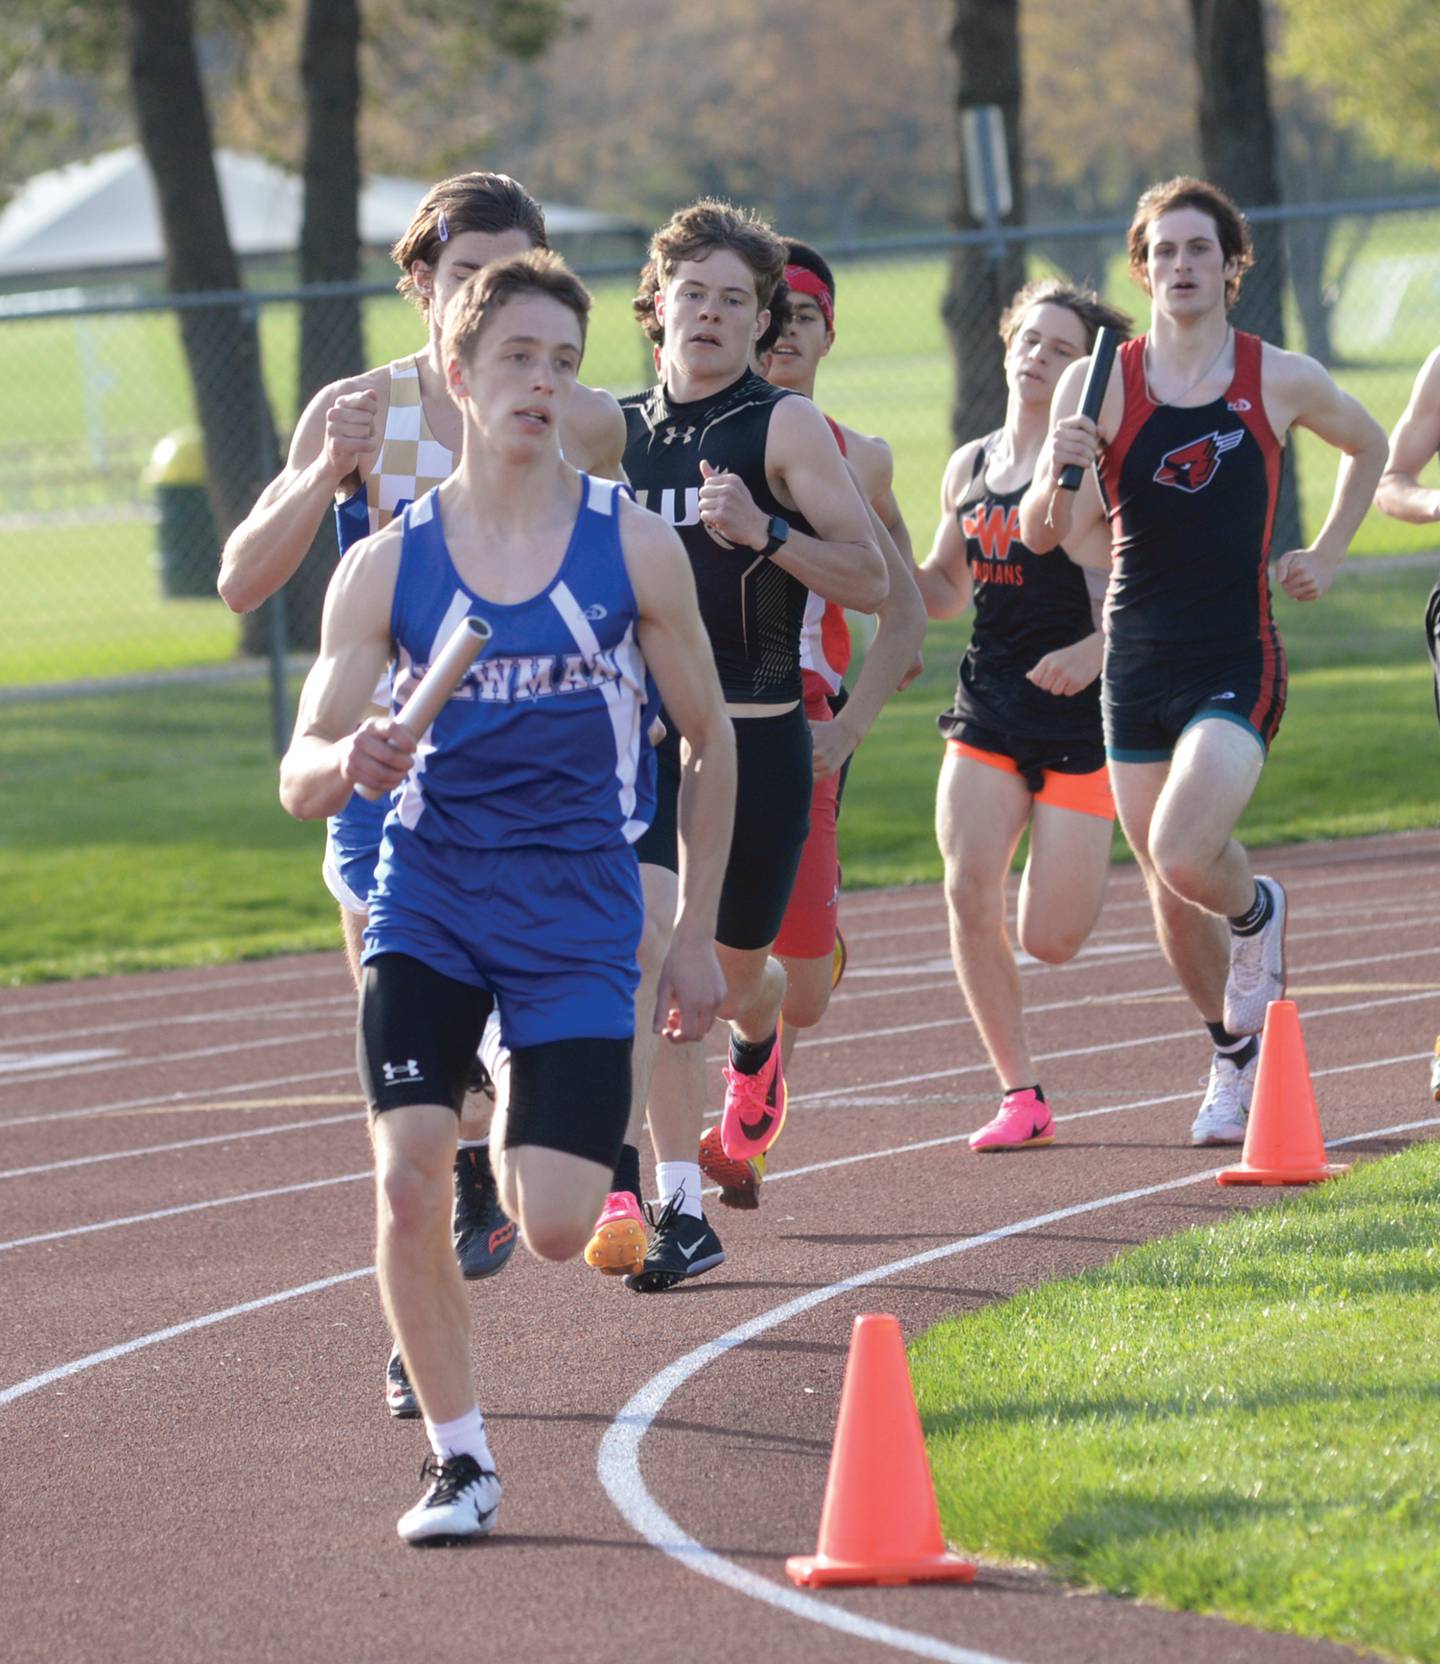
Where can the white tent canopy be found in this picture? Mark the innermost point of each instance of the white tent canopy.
(102, 215)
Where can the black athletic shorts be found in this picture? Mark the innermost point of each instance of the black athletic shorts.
(772, 822)
(418, 1033)
(1150, 695)
(1432, 639)
(837, 703)
(1033, 759)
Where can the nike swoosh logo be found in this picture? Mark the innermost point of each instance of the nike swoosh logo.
(690, 1252)
(758, 1129)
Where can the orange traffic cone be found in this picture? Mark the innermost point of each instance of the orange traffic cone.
(880, 1523)
(1283, 1143)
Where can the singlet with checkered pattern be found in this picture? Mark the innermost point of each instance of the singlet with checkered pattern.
(410, 460)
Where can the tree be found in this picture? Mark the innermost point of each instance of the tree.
(985, 38)
(1380, 62)
(1238, 152)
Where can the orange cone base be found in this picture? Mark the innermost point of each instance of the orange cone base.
(1282, 1175)
(820, 1571)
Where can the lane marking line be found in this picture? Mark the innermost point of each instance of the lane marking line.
(618, 1461)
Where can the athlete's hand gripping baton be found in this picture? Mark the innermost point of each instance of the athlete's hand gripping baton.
(439, 682)
(1097, 379)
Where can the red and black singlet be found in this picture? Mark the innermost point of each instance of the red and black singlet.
(1026, 605)
(1191, 495)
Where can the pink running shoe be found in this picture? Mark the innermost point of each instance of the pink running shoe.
(620, 1240)
(1023, 1122)
(754, 1108)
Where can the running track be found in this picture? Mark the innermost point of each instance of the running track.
(196, 1460)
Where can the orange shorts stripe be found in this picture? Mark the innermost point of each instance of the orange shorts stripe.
(1085, 794)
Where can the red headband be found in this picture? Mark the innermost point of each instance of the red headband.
(806, 282)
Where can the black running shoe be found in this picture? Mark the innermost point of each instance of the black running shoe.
(683, 1246)
(484, 1237)
(400, 1399)
(460, 1504)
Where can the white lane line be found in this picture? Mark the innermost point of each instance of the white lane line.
(121, 1105)
(184, 1207)
(618, 1463)
(265, 1044)
(712, 1190)
(63, 1372)
(145, 991)
(13, 1063)
(181, 1144)
(289, 1010)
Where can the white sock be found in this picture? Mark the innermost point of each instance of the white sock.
(475, 1143)
(671, 1176)
(465, 1436)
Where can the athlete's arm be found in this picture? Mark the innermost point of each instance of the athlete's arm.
(329, 754)
(336, 437)
(873, 464)
(592, 433)
(899, 632)
(944, 574)
(1414, 442)
(807, 472)
(1050, 515)
(677, 651)
(1309, 396)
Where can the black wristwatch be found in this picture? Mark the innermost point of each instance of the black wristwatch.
(779, 530)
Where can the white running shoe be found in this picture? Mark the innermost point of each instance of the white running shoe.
(1225, 1111)
(1257, 967)
(461, 1503)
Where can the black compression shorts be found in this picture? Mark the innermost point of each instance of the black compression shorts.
(772, 822)
(1150, 696)
(418, 1033)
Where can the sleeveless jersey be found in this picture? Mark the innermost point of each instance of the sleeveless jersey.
(752, 608)
(1191, 499)
(540, 745)
(409, 462)
(1026, 605)
(825, 645)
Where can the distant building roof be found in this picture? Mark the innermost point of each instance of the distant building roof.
(101, 215)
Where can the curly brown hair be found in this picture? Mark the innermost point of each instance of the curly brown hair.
(710, 224)
(1231, 226)
(1093, 313)
(643, 306)
(491, 202)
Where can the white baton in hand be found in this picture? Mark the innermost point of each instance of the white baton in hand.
(439, 682)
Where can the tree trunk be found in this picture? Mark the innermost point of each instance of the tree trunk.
(222, 352)
(985, 38)
(1237, 147)
(331, 331)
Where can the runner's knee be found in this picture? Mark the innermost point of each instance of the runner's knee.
(976, 903)
(1052, 941)
(412, 1194)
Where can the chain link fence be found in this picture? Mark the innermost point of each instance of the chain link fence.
(133, 429)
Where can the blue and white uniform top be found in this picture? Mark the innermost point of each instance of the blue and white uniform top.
(543, 744)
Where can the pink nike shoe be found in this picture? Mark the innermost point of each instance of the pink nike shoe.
(1024, 1120)
(619, 1241)
(754, 1108)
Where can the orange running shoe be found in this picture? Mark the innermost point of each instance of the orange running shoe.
(754, 1107)
(619, 1242)
(739, 1181)
(841, 958)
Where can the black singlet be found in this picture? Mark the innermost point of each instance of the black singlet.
(752, 609)
(1026, 605)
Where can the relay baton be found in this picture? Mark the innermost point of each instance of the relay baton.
(1097, 379)
(438, 683)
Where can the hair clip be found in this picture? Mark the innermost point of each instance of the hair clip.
(443, 227)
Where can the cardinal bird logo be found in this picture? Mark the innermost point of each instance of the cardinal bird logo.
(1191, 467)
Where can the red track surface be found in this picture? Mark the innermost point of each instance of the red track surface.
(230, 1490)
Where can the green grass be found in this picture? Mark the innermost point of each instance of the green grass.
(144, 830)
(1239, 1420)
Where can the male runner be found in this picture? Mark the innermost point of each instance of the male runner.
(753, 480)
(1023, 739)
(1413, 444)
(809, 945)
(1189, 446)
(367, 446)
(507, 873)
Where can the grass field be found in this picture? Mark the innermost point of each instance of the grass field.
(144, 830)
(1238, 1420)
(100, 391)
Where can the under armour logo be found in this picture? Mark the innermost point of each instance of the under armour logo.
(408, 1070)
(684, 438)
